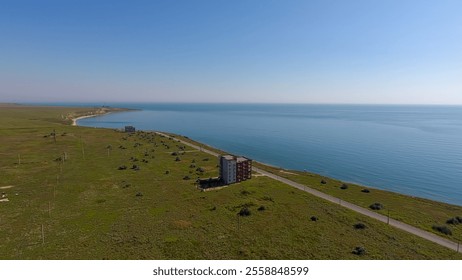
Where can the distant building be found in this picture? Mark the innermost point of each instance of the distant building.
(130, 129)
(235, 169)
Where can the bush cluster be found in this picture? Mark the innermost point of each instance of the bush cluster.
(244, 212)
(442, 229)
(376, 206)
(359, 226)
(454, 221)
(359, 251)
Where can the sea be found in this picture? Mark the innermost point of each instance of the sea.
(414, 150)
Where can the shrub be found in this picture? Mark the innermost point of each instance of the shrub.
(244, 212)
(323, 182)
(268, 198)
(177, 159)
(139, 194)
(359, 251)
(314, 218)
(344, 186)
(206, 159)
(213, 208)
(454, 221)
(174, 154)
(245, 192)
(135, 167)
(365, 191)
(376, 206)
(359, 226)
(122, 167)
(261, 208)
(442, 229)
(186, 178)
(167, 172)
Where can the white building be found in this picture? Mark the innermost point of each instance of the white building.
(235, 169)
(228, 169)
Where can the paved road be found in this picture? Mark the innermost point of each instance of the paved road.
(392, 222)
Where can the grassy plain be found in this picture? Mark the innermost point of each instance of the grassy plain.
(419, 212)
(89, 209)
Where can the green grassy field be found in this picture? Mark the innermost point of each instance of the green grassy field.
(89, 209)
(419, 212)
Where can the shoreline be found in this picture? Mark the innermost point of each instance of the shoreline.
(296, 172)
(282, 169)
(74, 120)
(381, 217)
(100, 111)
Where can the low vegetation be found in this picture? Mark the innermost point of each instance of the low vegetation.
(418, 212)
(442, 229)
(376, 206)
(359, 226)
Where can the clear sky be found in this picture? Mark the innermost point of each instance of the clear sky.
(326, 51)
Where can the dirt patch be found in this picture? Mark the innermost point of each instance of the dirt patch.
(287, 172)
(215, 188)
(181, 224)
(4, 199)
(6, 187)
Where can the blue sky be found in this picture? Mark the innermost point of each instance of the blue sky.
(386, 52)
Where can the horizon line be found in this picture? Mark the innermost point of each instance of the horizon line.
(98, 103)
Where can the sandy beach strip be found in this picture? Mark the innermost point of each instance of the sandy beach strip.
(74, 120)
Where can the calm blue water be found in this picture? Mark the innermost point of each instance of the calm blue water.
(416, 150)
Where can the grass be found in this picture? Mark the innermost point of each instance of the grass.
(90, 210)
(419, 212)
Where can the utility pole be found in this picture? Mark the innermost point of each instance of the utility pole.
(388, 217)
(83, 149)
(43, 236)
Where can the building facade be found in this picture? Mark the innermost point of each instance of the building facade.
(130, 129)
(235, 169)
(243, 169)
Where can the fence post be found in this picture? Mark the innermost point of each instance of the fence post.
(43, 236)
